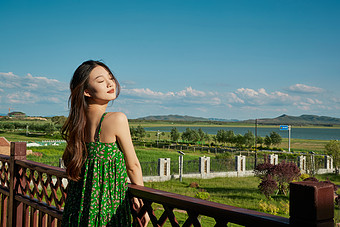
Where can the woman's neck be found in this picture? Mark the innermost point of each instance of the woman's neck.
(94, 112)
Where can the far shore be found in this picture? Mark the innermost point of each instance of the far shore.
(213, 124)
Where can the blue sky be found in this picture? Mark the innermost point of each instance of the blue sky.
(222, 59)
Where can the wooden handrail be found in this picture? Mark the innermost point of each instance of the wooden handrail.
(215, 210)
(311, 203)
(40, 167)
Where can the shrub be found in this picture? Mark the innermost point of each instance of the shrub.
(268, 208)
(264, 169)
(311, 179)
(304, 176)
(276, 177)
(202, 195)
(284, 173)
(193, 185)
(268, 186)
(225, 155)
(284, 207)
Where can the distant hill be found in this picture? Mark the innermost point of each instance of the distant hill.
(172, 118)
(178, 118)
(281, 120)
(300, 120)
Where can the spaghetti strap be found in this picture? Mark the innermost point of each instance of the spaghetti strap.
(99, 128)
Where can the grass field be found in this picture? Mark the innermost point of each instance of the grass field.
(304, 145)
(20, 135)
(239, 192)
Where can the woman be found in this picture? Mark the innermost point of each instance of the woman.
(99, 153)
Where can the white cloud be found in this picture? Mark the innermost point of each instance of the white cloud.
(182, 97)
(244, 98)
(335, 99)
(304, 108)
(235, 99)
(127, 83)
(31, 90)
(42, 92)
(258, 97)
(302, 88)
(22, 98)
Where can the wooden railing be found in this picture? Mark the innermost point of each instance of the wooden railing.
(33, 194)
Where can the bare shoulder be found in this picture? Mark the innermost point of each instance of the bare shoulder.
(116, 118)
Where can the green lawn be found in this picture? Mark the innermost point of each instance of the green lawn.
(234, 191)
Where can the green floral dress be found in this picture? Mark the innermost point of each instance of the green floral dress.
(100, 198)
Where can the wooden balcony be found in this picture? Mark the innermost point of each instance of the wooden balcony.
(33, 194)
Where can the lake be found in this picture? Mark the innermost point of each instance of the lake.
(297, 133)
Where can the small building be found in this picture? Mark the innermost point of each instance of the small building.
(5, 146)
(17, 114)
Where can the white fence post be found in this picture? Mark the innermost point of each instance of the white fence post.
(164, 167)
(273, 159)
(240, 163)
(328, 162)
(204, 165)
(302, 163)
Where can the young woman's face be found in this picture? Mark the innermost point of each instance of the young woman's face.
(101, 85)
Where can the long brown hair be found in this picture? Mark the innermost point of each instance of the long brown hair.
(73, 131)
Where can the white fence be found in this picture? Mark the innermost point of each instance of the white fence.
(164, 168)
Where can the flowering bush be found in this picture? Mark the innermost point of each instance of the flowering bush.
(267, 186)
(264, 169)
(284, 173)
(276, 177)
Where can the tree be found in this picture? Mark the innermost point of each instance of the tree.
(230, 136)
(140, 132)
(59, 120)
(201, 134)
(221, 136)
(49, 128)
(275, 138)
(259, 140)
(333, 149)
(249, 139)
(214, 138)
(133, 132)
(186, 134)
(267, 141)
(239, 140)
(194, 136)
(207, 137)
(174, 134)
(190, 135)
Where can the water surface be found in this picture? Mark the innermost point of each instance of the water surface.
(297, 133)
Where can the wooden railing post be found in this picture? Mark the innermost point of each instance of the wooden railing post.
(311, 204)
(15, 210)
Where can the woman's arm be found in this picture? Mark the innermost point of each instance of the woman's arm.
(122, 131)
